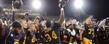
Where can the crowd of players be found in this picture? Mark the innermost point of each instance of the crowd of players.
(44, 31)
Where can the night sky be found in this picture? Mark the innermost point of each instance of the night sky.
(98, 8)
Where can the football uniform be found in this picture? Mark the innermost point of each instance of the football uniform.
(64, 36)
(88, 36)
(50, 37)
(14, 39)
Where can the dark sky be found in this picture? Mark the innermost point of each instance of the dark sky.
(98, 8)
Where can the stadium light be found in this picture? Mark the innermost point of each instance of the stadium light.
(78, 4)
(36, 4)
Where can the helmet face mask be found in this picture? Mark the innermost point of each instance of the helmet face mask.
(17, 4)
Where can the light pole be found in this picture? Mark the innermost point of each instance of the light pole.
(36, 7)
(78, 4)
(36, 4)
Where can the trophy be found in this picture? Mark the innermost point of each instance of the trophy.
(17, 4)
(62, 3)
